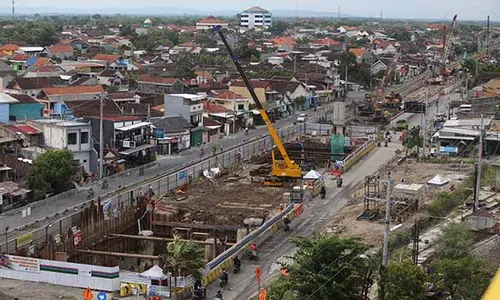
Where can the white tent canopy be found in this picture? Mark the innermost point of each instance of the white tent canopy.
(438, 180)
(155, 273)
(312, 175)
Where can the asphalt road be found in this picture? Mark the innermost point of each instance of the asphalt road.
(315, 217)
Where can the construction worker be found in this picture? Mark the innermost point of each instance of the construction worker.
(282, 207)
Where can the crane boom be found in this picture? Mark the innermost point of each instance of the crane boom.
(447, 44)
(292, 169)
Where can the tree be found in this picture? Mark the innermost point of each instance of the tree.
(246, 52)
(405, 281)
(324, 267)
(300, 102)
(464, 278)
(455, 241)
(182, 258)
(184, 72)
(52, 172)
(278, 27)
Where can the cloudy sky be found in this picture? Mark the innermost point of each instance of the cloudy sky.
(432, 9)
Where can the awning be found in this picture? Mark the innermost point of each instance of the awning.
(133, 126)
(136, 149)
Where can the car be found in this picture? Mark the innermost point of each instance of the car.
(302, 118)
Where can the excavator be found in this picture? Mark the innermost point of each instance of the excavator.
(281, 170)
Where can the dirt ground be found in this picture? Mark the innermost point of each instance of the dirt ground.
(227, 200)
(413, 172)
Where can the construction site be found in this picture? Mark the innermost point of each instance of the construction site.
(414, 186)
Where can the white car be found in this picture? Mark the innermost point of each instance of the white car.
(302, 118)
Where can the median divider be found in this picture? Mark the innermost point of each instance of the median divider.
(359, 153)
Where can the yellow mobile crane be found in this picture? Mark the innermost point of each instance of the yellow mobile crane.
(281, 169)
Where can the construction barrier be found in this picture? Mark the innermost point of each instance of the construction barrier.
(361, 152)
(299, 209)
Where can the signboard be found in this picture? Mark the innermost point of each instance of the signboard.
(18, 263)
(182, 174)
(87, 294)
(158, 133)
(77, 236)
(414, 107)
(448, 149)
(24, 239)
(102, 296)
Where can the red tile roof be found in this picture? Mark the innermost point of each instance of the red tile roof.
(156, 79)
(122, 118)
(435, 26)
(287, 41)
(107, 57)
(60, 48)
(9, 47)
(42, 61)
(70, 90)
(357, 51)
(20, 57)
(258, 84)
(212, 20)
(27, 129)
(228, 95)
(213, 108)
(325, 42)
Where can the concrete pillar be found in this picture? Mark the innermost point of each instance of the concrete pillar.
(209, 250)
(241, 233)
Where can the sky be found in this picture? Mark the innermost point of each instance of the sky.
(422, 9)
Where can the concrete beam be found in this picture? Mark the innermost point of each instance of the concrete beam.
(106, 253)
(159, 239)
(196, 226)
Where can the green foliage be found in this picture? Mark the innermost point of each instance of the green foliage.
(184, 72)
(246, 52)
(52, 172)
(464, 278)
(279, 27)
(156, 38)
(405, 281)
(355, 71)
(455, 241)
(182, 258)
(445, 202)
(325, 267)
(300, 101)
(268, 74)
(39, 33)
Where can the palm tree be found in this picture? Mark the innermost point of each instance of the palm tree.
(182, 258)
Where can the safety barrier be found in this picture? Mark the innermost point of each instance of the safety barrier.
(359, 153)
(214, 268)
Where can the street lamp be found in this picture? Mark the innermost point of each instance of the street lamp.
(47, 240)
(7, 240)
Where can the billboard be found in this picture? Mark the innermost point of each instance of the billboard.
(18, 263)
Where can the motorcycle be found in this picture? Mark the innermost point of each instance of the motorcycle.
(339, 182)
(104, 184)
(237, 269)
(90, 194)
(223, 282)
(252, 255)
(200, 293)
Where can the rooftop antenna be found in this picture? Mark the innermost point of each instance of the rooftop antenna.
(381, 14)
(338, 13)
(13, 9)
(296, 10)
(488, 38)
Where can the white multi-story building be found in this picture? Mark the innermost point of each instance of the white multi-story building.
(255, 17)
(71, 135)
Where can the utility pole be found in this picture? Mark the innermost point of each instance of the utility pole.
(424, 122)
(488, 38)
(416, 237)
(101, 139)
(345, 92)
(338, 13)
(479, 162)
(385, 250)
(14, 10)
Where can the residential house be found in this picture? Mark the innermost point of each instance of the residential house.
(344, 29)
(363, 56)
(284, 43)
(224, 117)
(70, 135)
(30, 136)
(384, 48)
(31, 51)
(86, 108)
(13, 196)
(264, 91)
(378, 66)
(327, 42)
(51, 95)
(33, 86)
(26, 108)
(125, 97)
(7, 73)
(190, 107)
(171, 134)
(158, 85)
(88, 68)
(9, 49)
(114, 78)
(19, 61)
(255, 17)
(288, 91)
(210, 22)
(43, 71)
(126, 141)
(434, 27)
(5, 102)
(60, 52)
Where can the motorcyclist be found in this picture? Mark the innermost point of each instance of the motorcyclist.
(253, 249)
(322, 192)
(237, 263)
(224, 277)
(287, 222)
(218, 296)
